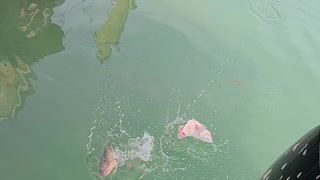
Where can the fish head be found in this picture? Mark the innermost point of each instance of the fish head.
(204, 136)
(107, 162)
(106, 168)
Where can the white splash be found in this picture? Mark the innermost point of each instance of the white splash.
(141, 147)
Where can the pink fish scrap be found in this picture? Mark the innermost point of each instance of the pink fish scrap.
(195, 129)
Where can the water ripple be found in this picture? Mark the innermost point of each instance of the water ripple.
(266, 10)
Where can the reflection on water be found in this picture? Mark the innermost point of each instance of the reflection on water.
(13, 83)
(25, 31)
(109, 34)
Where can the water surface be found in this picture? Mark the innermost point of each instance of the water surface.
(77, 75)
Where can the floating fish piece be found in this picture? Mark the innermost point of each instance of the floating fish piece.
(195, 129)
(107, 162)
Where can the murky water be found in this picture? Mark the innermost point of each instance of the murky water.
(76, 75)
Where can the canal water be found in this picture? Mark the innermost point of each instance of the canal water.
(77, 75)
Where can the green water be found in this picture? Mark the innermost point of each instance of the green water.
(80, 74)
